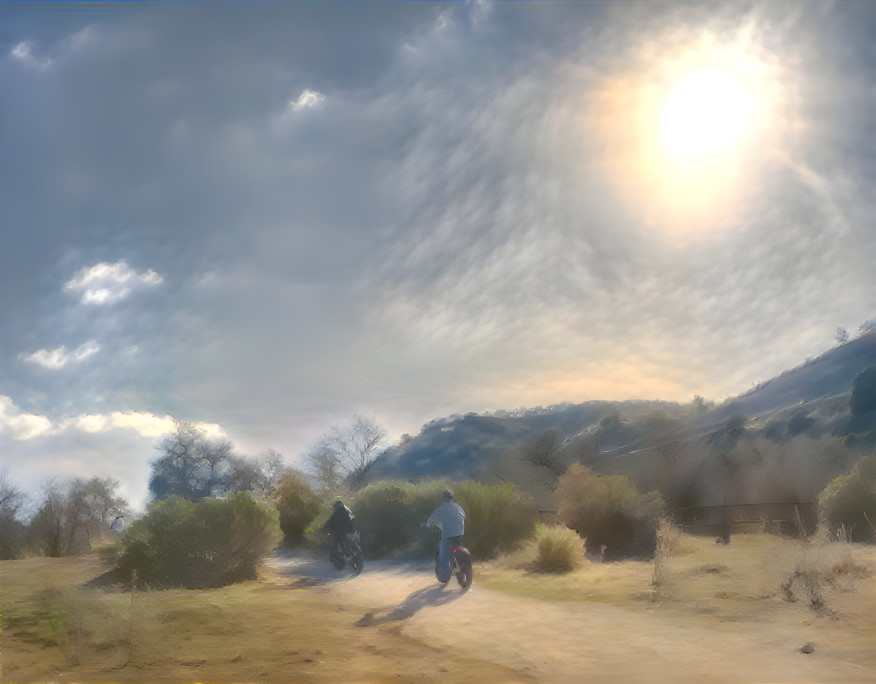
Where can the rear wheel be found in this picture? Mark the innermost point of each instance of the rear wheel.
(464, 573)
(356, 561)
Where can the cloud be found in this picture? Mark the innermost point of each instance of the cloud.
(23, 52)
(106, 283)
(308, 99)
(19, 425)
(144, 423)
(55, 359)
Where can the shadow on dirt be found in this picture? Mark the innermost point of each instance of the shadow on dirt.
(428, 596)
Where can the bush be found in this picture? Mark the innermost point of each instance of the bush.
(849, 500)
(386, 517)
(297, 506)
(558, 549)
(389, 513)
(609, 510)
(497, 517)
(197, 544)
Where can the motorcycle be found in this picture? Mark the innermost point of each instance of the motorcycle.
(460, 563)
(347, 551)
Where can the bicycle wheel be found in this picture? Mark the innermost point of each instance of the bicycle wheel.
(464, 574)
(356, 562)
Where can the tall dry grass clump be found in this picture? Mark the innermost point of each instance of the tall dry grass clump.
(558, 549)
(668, 541)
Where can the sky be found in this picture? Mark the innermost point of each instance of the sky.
(268, 218)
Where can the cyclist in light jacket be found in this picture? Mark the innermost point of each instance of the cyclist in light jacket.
(450, 519)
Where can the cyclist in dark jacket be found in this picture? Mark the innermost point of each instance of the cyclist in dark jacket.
(340, 525)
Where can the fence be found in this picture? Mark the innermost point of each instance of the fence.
(794, 519)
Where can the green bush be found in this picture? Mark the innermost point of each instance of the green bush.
(609, 510)
(297, 506)
(497, 517)
(389, 513)
(385, 517)
(849, 501)
(197, 544)
(558, 549)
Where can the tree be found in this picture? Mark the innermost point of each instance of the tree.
(864, 392)
(12, 501)
(74, 514)
(343, 455)
(270, 471)
(194, 467)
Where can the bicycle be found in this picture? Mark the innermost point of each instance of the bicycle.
(347, 551)
(460, 563)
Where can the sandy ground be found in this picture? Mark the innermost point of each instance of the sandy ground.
(573, 642)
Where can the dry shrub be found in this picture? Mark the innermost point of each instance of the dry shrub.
(668, 542)
(609, 511)
(822, 566)
(558, 549)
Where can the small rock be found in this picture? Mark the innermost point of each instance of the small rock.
(807, 648)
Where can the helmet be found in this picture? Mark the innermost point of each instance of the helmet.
(339, 505)
(447, 495)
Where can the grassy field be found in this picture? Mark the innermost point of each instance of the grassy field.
(288, 627)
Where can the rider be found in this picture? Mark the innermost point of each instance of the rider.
(450, 519)
(340, 524)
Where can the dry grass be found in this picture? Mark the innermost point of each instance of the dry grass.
(280, 629)
(270, 629)
(696, 575)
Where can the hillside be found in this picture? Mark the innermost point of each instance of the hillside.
(803, 412)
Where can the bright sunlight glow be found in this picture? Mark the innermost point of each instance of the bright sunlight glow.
(705, 115)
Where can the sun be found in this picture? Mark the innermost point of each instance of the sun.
(706, 115)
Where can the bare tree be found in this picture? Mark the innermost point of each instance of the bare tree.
(270, 470)
(12, 501)
(72, 515)
(343, 455)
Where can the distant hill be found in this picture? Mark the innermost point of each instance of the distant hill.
(532, 447)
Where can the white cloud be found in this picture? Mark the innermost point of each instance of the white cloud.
(55, 359)
(23, 52)
(18, 425)
(144, 423)
(106, 283)
(306, 100)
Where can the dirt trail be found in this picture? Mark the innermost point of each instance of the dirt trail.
(570, 642)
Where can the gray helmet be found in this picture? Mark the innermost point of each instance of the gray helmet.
(447, 495)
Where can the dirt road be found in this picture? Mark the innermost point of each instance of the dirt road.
(573, 642)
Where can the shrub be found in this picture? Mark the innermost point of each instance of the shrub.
(609, 510)
(389, 513)
(385, 518)
(849, 501)
(197, 544)
(497, 517)
(297, 506)
(558, 549)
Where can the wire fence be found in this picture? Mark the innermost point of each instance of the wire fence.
(783, 518)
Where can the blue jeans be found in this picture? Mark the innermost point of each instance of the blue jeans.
(442, 558)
